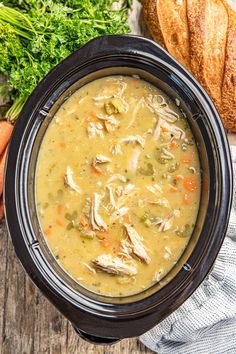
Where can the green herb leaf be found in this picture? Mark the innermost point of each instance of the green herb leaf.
(35, 35)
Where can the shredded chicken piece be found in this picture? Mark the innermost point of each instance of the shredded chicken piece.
(116, 149)
(167, 223)
(141, 203)
(157, 130)
(166, 255)
(69, 181)
(82, 99)
(168, 154)
(134, 139)
(158, 274)
(96, 221)
(115, 177)
(101, 98)
(157, 104)
(126, 280)
(117, 206)
(155, 189)
(122, 88)
(178, 133)
(137, 107)
(119, 191)
(95, 129)
(111, 196)
(172, 129)
(136, 244)
(113, 265)
(125, 107)
(118, 213)
(104, 117)
(91, 269)
(161, 202)
(111, 124)
(128, 188)
(124, 193)
(134, 160)
(168, 250)
(177, 101)
(156, 221)
(88, 233)
(58, 121)
(148, 132)
(125, 249)
(110, 169)
(108, 118)
(99, 158)
(106, 95)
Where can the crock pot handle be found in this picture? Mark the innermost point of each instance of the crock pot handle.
(95, 340)
(124, 44)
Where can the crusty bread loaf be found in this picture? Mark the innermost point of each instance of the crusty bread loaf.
(151, 15)
(208, 23)
(228, 109)
(201, 34)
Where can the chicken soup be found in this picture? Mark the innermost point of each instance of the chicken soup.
(118, 185)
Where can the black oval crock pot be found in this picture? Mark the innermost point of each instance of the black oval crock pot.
(98, 318)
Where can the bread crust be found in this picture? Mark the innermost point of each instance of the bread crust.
(208, 49)
(208, 23)
(151, 19)
(174, 28)
(228, 106)
(195, 9)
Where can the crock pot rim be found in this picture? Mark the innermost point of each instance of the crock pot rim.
(224, 150)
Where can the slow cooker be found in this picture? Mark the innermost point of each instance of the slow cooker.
(98, 318)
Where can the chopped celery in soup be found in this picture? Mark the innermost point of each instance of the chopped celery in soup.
(118, 185)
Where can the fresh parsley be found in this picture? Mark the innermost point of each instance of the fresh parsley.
(35, 35)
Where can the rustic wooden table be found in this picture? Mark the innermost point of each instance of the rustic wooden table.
(29, 324)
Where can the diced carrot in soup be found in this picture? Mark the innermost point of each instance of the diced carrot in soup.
(191, 183)
(120, 196)
(60, 209)
(97, 170)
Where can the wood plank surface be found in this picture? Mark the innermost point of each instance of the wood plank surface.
(29, 324)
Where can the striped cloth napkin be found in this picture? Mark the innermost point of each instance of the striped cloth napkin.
(206, 322)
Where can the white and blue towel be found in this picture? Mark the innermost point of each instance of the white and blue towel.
(206, 322)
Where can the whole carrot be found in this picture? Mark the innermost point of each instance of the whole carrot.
(2, 165)
(5, 134)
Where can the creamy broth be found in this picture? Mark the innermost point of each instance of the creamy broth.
(118, 185)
